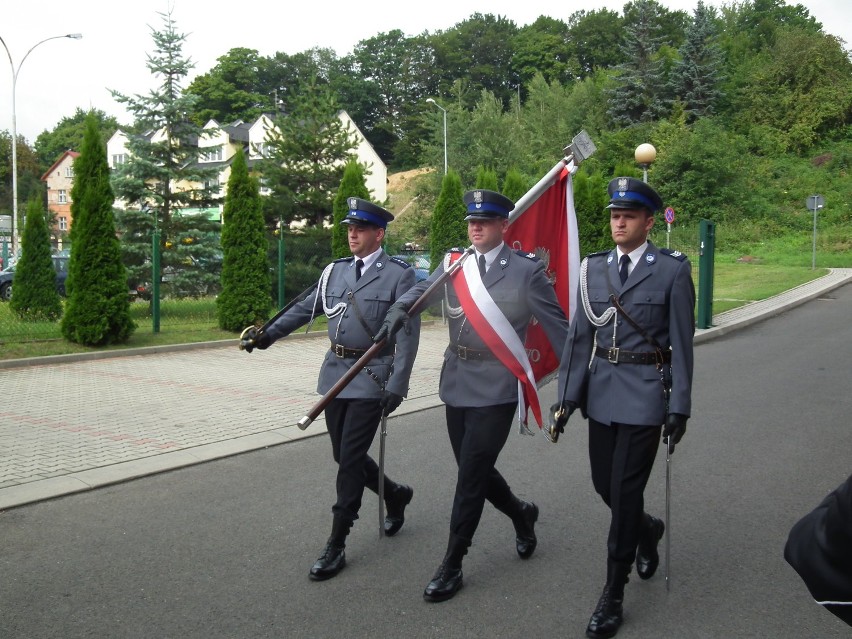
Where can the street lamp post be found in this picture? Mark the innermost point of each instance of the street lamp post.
(445, 130)
(15, 72)
(645, 155)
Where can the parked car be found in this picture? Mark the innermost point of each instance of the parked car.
(419, 262)
(60, 264)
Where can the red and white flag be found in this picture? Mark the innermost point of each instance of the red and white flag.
(544, 222)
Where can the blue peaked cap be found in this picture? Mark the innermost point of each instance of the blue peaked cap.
(631, 193)
(487, 205)
(364, 212)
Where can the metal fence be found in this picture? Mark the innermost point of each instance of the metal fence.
(187, 308)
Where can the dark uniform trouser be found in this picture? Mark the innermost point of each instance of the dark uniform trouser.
(477, 436)
(352, 425)
(622, 456)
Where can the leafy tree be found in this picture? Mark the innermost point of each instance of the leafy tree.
(68, 134)
(544, 48)
(478, 51)
(801, 88)
(695, 77)
(245, 297)
(597, 40)
(164, 152)
(352, 185)
(231, 89)
(35, 297)
(29, 175)
(97, 312)
(448, 228)
(307, 149)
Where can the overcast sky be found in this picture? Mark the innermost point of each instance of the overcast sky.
(63, 74)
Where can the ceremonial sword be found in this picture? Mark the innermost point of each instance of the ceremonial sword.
(244, 341)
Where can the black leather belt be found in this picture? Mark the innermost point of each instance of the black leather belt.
(620, 356)
(468, 353)
(355, 353)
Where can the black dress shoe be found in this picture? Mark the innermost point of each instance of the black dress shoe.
(525, 541)
(396, 509)
(647, 557)
(330, 562)
(607, 617)
(444, 585)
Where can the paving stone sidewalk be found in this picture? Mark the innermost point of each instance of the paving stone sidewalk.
(73, 423)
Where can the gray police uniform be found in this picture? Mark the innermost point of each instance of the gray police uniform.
(619, 385)
(350, 332)
(477, 387)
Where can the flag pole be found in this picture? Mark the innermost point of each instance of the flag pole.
(581, 147)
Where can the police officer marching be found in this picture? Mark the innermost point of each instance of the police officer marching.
(627, 365)
(355, 293)
(479, 390)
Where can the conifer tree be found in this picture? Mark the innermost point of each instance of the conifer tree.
(486, 179)
(34, 293)
(307, 151)
(447, 227)
(638, 93)
(245, 297)
(514, 185)
(352, 185)
(97, 312)
(696, 75)
(163, 152)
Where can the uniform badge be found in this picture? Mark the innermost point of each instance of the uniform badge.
(352, 202)
(477, 198)
(378, 265)
(676, 253)
(622, 186)
(650, 258)
(503, 262)
(609, 259)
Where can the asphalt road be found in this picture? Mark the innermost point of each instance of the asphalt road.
(223, 549)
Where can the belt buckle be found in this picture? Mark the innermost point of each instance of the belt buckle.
(339, 350)
(612, 355)
(462, 352)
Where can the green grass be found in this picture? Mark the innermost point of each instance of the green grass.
(189, 321)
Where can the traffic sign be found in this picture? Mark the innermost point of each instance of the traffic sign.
(815, 202)
(670, 215)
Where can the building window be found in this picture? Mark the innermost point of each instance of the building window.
(119, 158)
(259, 150)
(62, 198)
(211, 154)
(63, 223)
(69, 171)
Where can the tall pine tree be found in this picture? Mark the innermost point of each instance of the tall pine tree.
(35, 297)
(164, 151)
(696, 75)
(307, 151)
(97, 312)
(245, 297)
(638, 92)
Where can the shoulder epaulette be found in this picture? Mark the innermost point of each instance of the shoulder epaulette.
(530, 256)
(400, 262)
(599, 253)
(456, 249)
(672, 253)
(344, 259)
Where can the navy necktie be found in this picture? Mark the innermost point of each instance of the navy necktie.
(622, 271)
(481, 266)
(359, 264)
